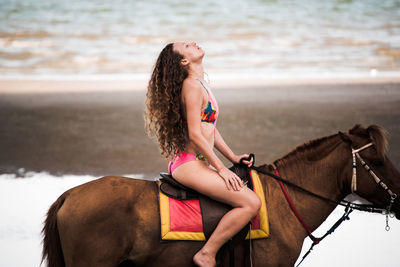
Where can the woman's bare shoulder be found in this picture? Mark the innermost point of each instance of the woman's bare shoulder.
(191, 88)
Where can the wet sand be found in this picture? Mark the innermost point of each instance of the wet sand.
(102, 133)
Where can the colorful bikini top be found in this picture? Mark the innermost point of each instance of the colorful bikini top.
(210, 113)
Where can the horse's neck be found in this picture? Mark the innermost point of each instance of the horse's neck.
(319, 169)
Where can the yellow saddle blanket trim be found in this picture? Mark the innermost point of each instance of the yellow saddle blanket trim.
(263, 231)
(167, 234)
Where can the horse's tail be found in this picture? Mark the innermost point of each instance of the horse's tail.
(51, 240)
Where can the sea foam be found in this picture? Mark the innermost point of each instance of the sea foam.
(362, 241)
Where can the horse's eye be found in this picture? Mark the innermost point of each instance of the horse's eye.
(378, 163)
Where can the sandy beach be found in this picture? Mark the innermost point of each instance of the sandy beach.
(60, 128)
(101, 132)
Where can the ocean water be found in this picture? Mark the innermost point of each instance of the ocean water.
(361, 241)
(262, 37)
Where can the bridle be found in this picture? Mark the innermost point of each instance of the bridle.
(350, 206)
(377, 180)
(345, 203)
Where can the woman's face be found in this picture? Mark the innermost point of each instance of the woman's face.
(190, 51)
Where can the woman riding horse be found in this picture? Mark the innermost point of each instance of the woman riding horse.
(114, 221)
(182, 113)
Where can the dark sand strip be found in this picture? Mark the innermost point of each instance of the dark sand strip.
(103, 133)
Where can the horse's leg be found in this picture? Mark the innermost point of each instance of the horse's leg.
(272, 252)
(100, 252)
(97, 220)
(283, 246)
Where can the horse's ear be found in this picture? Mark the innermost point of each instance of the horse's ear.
(345, 137)
(355, 128)
(359, 130)
(378, 137)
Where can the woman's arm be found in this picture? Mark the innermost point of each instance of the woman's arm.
(223, 147)
(227, 152)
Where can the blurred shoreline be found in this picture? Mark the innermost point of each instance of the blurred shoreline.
(109, 83)
(267, 37)
(97, 127)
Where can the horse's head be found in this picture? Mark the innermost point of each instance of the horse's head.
(374, 157)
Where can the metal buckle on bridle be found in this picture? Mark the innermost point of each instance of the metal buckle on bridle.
(388, 210)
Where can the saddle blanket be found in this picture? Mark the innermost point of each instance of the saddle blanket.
(182, 219)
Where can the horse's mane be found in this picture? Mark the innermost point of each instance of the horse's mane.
(310, 149)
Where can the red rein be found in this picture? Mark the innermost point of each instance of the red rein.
(313, 238)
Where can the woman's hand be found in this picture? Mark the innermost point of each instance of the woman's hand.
(231, 179)
(237, 158)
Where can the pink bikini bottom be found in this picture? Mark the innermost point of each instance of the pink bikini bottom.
(183, 157)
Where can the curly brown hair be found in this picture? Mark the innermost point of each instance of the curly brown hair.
(164, 108)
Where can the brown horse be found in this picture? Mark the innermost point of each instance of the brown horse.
(114, 220)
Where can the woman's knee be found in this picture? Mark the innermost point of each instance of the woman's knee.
(256, 203)
(253, 203)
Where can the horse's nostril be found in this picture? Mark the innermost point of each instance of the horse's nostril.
(396, 211)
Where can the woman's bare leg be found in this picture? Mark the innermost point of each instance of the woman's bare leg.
(245, 203)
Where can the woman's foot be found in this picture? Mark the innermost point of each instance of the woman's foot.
(204, 259)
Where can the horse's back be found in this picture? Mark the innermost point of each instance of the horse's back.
(107, 194)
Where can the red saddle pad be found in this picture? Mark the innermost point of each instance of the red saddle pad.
(182, 219)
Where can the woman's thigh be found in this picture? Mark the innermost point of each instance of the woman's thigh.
(196, 175)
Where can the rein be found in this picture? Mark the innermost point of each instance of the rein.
(349, 206)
